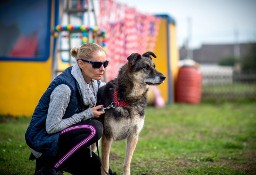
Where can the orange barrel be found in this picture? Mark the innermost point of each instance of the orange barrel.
(189, 85)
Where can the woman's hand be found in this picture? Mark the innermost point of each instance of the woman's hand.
(97, 111)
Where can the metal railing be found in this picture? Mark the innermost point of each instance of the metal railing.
(225, 85)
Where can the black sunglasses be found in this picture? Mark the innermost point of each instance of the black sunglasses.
(96, 64)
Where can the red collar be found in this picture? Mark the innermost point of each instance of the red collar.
(118, 103)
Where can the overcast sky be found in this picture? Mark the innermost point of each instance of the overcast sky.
(212, 21)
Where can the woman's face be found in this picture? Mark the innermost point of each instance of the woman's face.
(88, 71)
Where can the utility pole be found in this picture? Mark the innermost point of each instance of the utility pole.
(189, 39)
(236, 43)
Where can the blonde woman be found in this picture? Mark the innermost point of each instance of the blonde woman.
(63, 125)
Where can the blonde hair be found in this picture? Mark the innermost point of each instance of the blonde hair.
(86, 51)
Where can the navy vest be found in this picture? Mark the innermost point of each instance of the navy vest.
(36, 136)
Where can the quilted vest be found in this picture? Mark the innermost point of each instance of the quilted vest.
(36, 136)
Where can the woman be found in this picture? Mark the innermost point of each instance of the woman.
(63, 125)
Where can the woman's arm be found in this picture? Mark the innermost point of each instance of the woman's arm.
(59, 101)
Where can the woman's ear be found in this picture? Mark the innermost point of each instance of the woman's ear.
(80, 63)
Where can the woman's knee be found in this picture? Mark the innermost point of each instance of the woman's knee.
(98, 127)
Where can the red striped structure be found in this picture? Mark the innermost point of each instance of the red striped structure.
(128, 31)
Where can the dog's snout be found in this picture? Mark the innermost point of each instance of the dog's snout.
(162, 77)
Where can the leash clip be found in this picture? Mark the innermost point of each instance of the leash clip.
(111, 106)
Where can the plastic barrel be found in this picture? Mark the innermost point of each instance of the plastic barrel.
(188, 86)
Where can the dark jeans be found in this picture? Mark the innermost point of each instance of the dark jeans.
(73, 155)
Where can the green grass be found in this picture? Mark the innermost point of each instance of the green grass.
(14, 152)
(180, 139)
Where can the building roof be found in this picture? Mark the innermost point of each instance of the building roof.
(213, 53)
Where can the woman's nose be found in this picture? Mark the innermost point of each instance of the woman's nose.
(102, 67)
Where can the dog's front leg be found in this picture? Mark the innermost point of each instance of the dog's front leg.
(106, 145)
(130, 147)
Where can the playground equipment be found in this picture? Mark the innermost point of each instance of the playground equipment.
(78, 25)
(33, 52)
(167, 55)
(131, 31)
(84, 33)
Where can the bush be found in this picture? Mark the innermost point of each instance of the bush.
(228, 61)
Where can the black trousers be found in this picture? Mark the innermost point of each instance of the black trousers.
(73, 155)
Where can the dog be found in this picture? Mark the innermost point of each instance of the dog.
(125, 100)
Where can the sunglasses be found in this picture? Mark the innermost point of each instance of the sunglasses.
(96, 64)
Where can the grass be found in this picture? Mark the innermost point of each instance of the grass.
(180, 139)
(14, 152)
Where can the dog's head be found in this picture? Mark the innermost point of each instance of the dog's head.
(143, 70)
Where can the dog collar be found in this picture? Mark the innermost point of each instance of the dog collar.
(118, 103)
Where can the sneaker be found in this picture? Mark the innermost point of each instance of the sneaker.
(111, 173)
(48, 171)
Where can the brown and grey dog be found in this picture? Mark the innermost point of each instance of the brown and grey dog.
(127, 93)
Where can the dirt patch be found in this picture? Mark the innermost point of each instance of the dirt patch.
(249, 166)
(246, 163)
(181, 162)
(114, 156)
(7, 118)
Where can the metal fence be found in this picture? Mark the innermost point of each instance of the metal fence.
(222, 84)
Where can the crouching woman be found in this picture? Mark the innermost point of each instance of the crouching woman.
(64, 125)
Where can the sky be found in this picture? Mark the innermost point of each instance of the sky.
(211, 21)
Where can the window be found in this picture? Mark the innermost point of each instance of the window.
(25, 30)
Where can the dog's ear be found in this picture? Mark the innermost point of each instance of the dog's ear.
(133, 58)
(149, 54)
